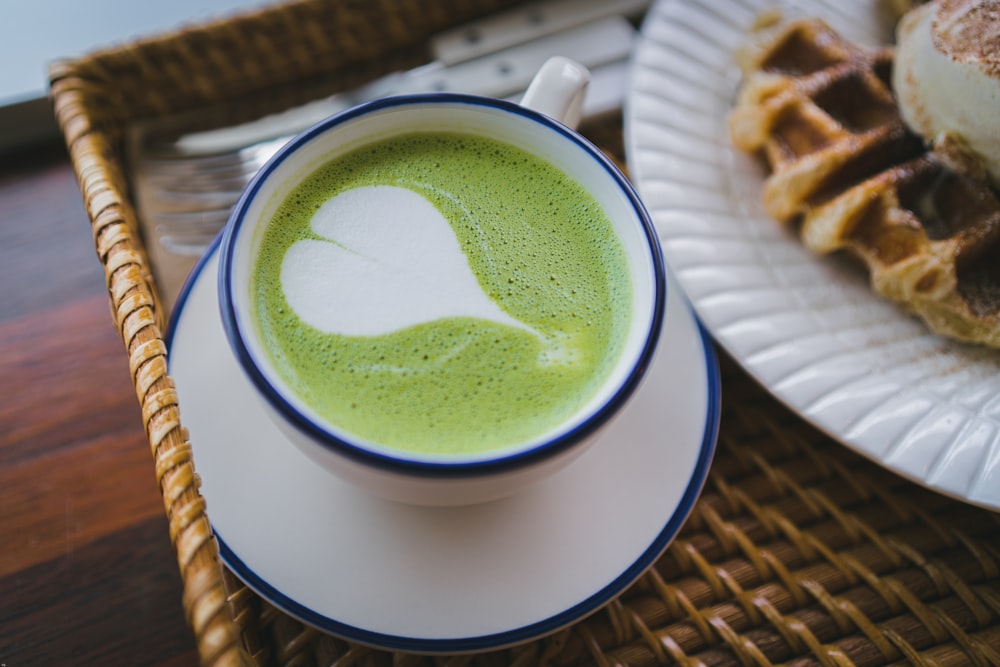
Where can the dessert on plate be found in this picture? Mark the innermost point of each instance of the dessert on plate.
(889, 154)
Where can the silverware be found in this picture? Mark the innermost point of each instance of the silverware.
(185, 185)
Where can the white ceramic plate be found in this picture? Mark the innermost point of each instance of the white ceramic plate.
(806, 327)
(455, 579)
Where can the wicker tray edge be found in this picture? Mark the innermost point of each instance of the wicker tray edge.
(94, 98)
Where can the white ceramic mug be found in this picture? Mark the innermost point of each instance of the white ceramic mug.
(541, 125)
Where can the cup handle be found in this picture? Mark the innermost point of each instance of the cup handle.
(557, 90)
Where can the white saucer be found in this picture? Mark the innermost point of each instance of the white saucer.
(443, 580)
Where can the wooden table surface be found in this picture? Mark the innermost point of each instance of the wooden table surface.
(87, 573)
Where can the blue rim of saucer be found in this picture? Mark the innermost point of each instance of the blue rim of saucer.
(402, 463)
(517, 635)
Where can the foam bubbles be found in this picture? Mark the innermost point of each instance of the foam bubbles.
(541, 252)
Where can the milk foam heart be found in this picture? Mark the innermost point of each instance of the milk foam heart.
(389, 260)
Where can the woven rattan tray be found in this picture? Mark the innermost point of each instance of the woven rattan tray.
(798, 551)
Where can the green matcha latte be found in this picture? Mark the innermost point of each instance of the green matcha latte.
(539, 247)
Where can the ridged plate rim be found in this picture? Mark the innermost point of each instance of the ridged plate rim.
(808, 328)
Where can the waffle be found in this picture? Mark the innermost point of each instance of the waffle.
(847, 173)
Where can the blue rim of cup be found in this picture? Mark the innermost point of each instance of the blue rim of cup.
(402, 463)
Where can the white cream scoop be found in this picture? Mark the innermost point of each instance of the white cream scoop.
(947, 80)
